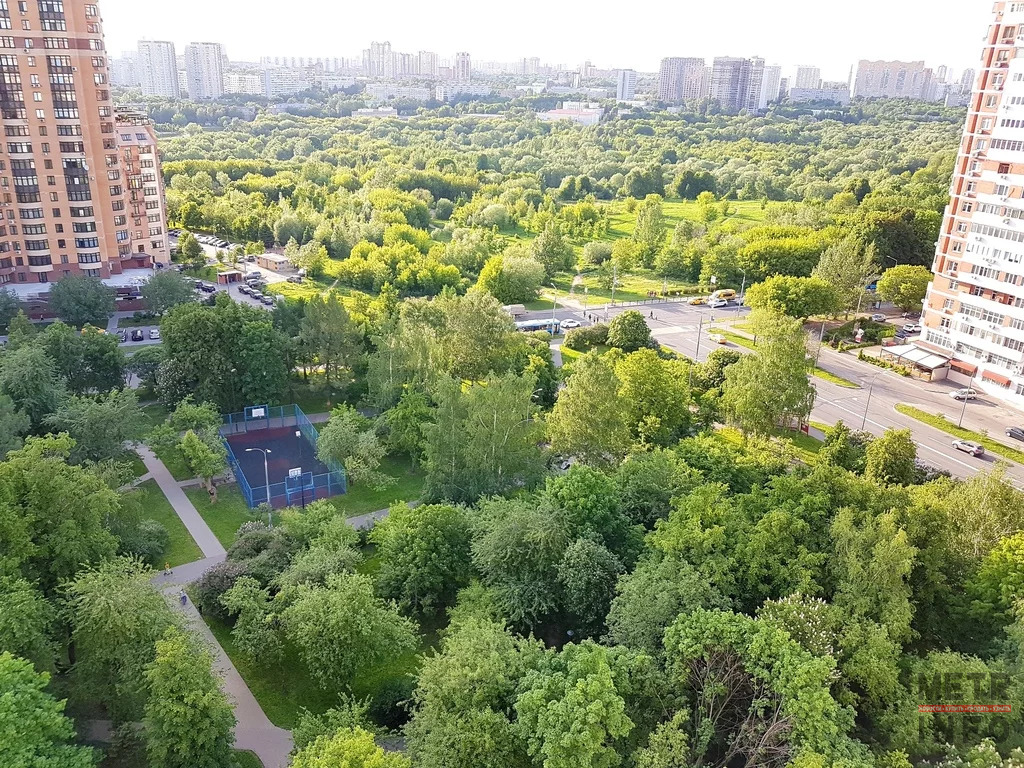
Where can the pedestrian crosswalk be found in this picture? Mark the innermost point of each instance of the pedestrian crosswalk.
(674, 329)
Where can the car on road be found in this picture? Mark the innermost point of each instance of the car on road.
(964, 394)
(718, 303)
(879, 318)
(154, 334)
(967, 446)
(1017, 433)
(138, 335)
(570, 324)
(698, 301)
(912, 328)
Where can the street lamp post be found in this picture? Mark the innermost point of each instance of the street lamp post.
(867, 405)
(821, 343)
(266, 478)
(743, 287)
(967, 399)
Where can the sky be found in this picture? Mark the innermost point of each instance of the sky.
(832, 34)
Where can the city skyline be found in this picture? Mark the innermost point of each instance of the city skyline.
(946, 33)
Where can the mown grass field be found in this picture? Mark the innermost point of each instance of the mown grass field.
(181, 548)
(622, 223)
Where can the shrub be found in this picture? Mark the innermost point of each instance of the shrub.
(208, 588)
(582, 339)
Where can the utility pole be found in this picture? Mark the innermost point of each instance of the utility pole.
(867, 406)
(821, 343)
(967, 399)
(700, 331)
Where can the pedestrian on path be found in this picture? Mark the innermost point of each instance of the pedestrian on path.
(183, 597)
(167, 569)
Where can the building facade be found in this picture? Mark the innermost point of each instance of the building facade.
(80, 183)
(737, 83)
(974, 310)
(682, 79)
(158, 69)
(243, 82)
(204, 70)
(625, 89)
(807, 77)
(892, 80)
(770, 86)
(463, 67)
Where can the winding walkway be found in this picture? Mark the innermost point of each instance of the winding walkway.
(253, 730)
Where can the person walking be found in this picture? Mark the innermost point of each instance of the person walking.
(183, 597)
(167, 569)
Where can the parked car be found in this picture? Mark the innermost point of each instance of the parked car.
(295, 279)
(256, 295)
(1017, 433)
(174, 232)
(269, 301)
(154, 334)
(718, 303)
(570, 324)
(964, 394)
(207, 288)
(244, 289)
(122, 336)
(912, 328)
(968, 447)
(879, 318)
(138, 335)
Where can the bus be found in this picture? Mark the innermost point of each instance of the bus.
(551, 325)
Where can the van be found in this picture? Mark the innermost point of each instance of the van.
(727, 294)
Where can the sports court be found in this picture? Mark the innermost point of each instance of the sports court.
(296, 475)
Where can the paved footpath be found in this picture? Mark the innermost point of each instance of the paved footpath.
(201, 533)
(253, 730)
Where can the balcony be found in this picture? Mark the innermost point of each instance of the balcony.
(40, 268)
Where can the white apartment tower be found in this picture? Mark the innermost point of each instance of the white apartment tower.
(625, 89)
(808, 77)
(974, 310)
(158, 68)
(682, 79)
(204, 70)
(463, 67)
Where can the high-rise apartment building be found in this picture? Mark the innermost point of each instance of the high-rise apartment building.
(204, 70)
(378, 60)
(807, 77)
(625, 89)
(771, 85)
(737, 83)
(158, 68)
(80, 183)
(682, 79)
(463, 67)
(893, 80)
(124, 71)
(974, 310)
(428, 63)
(967, 80)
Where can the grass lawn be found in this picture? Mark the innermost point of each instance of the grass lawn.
(227, 515)
(622, 224)
(633, 286)
(360, 500)
(807, 447)
(181, 548)
(734, 338)
(940, 422)
(156, 414)
(246, 759)
(571, 355)
(831, 377)
(138, 466)
(284, 688)
(312, 397)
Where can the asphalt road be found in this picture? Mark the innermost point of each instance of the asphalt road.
(678, 326)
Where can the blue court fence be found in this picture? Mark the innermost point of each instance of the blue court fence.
(291, 491)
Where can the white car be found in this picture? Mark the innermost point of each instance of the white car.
(879, 318)
(967, 446)
(571, 324)
(911, 328)
(964, 394)
(718, 303)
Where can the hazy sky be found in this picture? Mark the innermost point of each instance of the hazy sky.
(830, 33)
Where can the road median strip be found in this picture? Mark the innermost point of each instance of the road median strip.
(942, 423)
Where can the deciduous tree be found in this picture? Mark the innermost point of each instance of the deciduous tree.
(81, 301)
